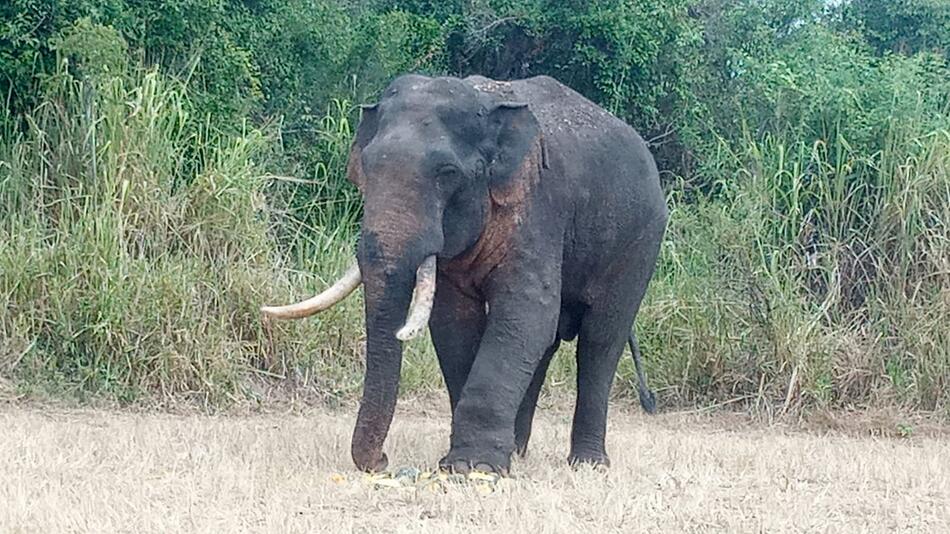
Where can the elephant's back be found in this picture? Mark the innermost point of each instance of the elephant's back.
(560, 110)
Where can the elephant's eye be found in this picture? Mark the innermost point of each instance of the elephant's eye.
(449, 172)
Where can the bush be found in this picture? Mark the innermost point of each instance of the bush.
(753, 300)
(166, 167)
(135, 250)
(907, 27)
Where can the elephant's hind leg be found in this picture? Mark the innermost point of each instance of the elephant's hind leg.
(599, 347)
(526, 411)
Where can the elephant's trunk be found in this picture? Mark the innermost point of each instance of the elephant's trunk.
(389, 286)
(386, 302)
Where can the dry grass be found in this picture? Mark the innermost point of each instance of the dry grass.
(100, 471)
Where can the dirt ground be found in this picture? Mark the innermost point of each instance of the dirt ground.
(104, 471)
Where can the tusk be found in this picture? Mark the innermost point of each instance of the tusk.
(335, 293)
(421, 305)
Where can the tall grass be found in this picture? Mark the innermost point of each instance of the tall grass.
(137, 243)
(136, 247)
(822, 277)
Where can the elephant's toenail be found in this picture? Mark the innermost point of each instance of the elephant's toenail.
(485, 468)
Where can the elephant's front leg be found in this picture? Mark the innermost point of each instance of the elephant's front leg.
(522, 322)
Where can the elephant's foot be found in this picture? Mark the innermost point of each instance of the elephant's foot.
(598, 460)
(369, 462)
(468, 461)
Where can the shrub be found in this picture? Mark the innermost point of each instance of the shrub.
(166, 167)
(135, 249)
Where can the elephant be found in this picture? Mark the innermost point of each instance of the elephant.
(508, 216)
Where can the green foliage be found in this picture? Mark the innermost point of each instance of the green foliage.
(93, 50)
(904, 26)
(117, 276)
(168, 166)
(630, 56)
(753, 291)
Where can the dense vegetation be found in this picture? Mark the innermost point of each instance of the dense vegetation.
(166, 167)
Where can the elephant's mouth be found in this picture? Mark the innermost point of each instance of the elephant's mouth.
(419, 309)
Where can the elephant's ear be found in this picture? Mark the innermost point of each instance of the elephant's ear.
(369, 119)
(515, 130)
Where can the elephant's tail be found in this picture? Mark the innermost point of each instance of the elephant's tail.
(647, 397)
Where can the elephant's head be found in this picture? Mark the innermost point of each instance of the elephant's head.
(433, 159)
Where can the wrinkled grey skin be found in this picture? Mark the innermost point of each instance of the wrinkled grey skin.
(546, 216)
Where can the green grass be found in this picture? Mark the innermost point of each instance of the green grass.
(137, 243)
(821, 270)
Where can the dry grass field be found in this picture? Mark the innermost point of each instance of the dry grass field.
(102, 471)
